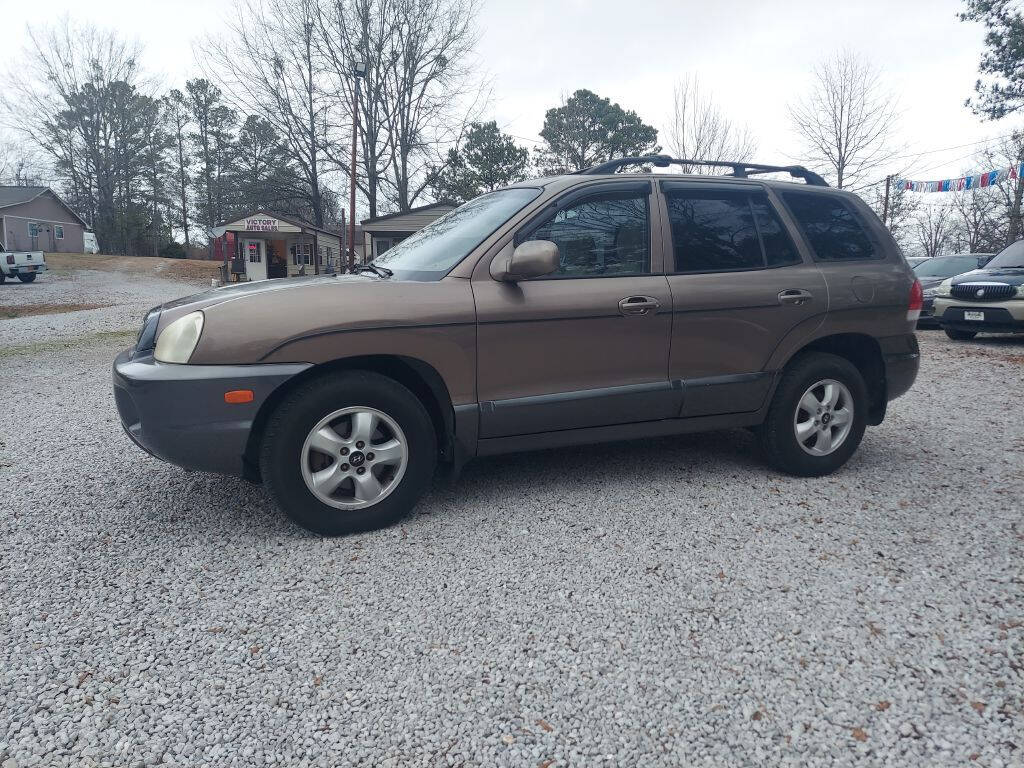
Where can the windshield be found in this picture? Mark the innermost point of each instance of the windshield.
(946, 266)
(1011, 257)
(434, 250)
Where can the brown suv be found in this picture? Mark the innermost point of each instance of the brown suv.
(576, 309)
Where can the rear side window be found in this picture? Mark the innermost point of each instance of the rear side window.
(830, 226)
(726, 231)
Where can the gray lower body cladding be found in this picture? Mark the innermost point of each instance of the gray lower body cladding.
(178, 413)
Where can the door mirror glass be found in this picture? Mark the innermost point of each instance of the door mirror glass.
(534, 258)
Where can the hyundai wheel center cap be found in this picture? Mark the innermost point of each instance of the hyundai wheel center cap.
(356, 458)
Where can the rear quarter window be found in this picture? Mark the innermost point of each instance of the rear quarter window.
(831, 227)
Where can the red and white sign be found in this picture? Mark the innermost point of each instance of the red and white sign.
(261, 224)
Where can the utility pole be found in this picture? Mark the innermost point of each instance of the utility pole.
(885, 202)
(358, 73)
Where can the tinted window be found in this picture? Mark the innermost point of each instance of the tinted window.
(605, 235)
(778, 246)
(830, 226)
(718, 231)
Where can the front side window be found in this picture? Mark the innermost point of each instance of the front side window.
(58, 231)
(727, 231)
(830, 226)
(600, 236)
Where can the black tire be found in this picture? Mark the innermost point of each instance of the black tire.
(31, 276)
(778, 432)
(3, 278)
(956, 335)
(281, 453)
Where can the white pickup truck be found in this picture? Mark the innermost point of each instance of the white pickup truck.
(24, 265)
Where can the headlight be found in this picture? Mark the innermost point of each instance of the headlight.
(944, 288)
(178, 340)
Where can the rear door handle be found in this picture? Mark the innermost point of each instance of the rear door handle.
(795, 296)
(638, 305)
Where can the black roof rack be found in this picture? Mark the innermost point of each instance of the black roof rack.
(739, 170)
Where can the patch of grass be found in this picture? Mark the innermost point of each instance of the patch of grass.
(46, 309)
(125, 336)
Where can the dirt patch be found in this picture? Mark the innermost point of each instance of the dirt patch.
(172, 269)
(45, 309)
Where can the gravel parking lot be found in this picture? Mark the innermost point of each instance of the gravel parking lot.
(668, 602)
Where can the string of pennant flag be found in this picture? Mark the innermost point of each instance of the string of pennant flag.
(976, 181)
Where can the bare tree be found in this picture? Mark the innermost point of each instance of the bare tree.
(431, 92)
(934, 227)
(901, 216)
(846, 121)
(351, 31)
(698, 129)
(978, 223)
(1008, 153)
(268, 61)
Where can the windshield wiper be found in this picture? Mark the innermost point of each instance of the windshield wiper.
(382, 272)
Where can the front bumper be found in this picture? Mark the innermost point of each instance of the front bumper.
(999, 317)
(177, 412)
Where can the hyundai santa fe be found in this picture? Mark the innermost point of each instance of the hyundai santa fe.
(595, 306)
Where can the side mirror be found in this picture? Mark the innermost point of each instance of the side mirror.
(531, 259)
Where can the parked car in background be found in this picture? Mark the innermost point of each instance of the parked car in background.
(990, 299)
(913, 261)
(24, 265)
(931, 272)
(91, 244)
(553, 313)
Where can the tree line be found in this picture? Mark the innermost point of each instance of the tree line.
(266, 124)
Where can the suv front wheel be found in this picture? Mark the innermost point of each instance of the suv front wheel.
(817, 417)
(348, 452)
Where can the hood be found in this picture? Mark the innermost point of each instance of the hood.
(243, 290)
(1014, 277)
(931, 282)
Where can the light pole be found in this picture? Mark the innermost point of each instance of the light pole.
(358, 73)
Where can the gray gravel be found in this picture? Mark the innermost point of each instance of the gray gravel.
(668, 602)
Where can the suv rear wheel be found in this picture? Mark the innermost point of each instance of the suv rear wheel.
(348, 452)
(817, 416)
(960, 335)
(26, 277)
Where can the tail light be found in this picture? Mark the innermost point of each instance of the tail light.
(10, 258)
(916, 301)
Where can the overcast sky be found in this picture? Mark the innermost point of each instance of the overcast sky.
(752, 56)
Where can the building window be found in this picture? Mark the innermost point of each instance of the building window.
(255, 256)
(58, 231)
(302, 253)
(33, 229)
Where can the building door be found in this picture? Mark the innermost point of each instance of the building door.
(255, 259)
(586, 346)
(277, 259)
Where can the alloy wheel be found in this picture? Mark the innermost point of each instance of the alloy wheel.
(823, 417)
(354, 457)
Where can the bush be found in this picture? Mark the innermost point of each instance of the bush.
(173, 250)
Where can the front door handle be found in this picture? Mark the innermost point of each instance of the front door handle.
(795, 296)
(638, 305)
